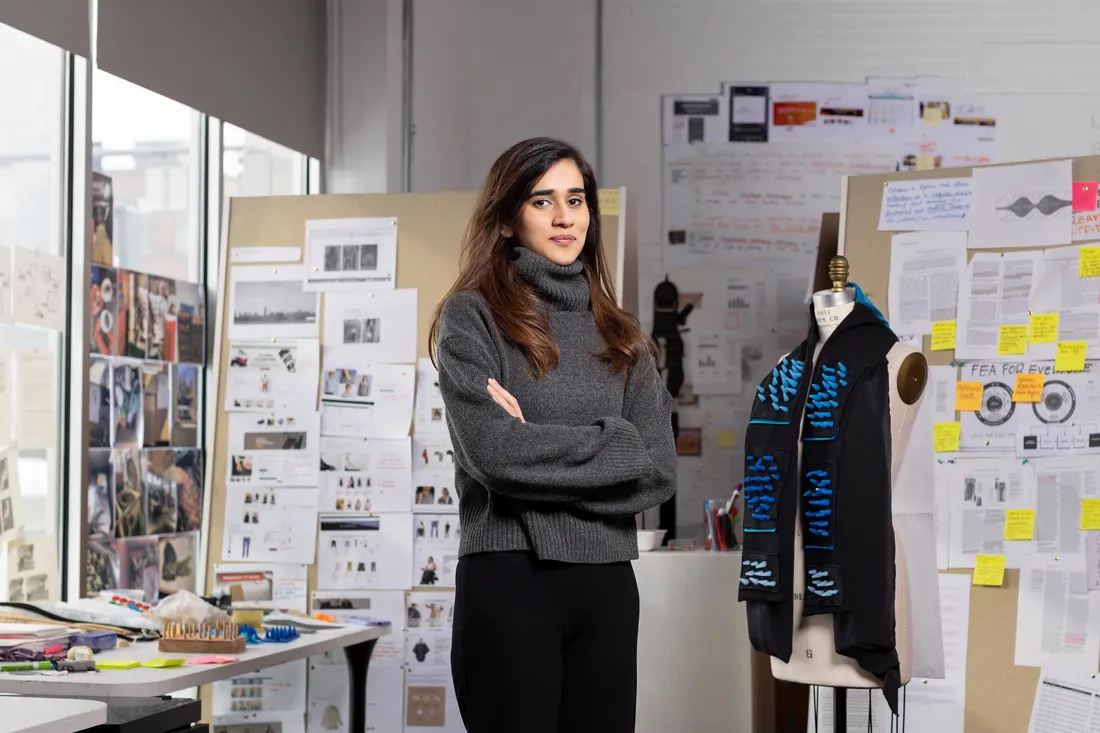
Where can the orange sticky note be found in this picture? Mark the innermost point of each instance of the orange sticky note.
(1012, 341)
(1029, 387)
(968, 396)
(1043, 328)
(1070, 356)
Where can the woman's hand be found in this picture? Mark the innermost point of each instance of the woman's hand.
(505, 400)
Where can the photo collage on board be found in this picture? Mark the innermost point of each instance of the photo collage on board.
(145, 466)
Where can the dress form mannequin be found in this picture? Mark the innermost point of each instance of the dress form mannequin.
(814, 660)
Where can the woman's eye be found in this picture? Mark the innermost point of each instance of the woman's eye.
(540, 202)
(575, 202)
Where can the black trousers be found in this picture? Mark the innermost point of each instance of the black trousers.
(545, 647)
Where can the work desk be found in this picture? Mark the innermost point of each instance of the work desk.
(49, 715)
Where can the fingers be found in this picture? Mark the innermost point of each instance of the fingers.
(504, 399)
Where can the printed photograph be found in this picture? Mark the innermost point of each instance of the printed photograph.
(162, 319)
(101, 498)
(188, 477)
(103, 311)
(162, 509)
(177, 562)
(137, 316)
(275, 302)
(129, 493)
(101, 570)
(157, 398)
(185, 385)
(103, 219)
(99, 402)
(190, 323)
(139, 565)
(126, 406)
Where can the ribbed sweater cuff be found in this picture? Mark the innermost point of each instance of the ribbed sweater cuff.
(625, 448)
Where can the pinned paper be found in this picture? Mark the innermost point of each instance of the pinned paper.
(1084, 195)
(968, 396)
(1019, 524)
(943, 336)
(945, 437)
(1090, 514)
(1070, 356)
(609, 201)
(926, 162)
(1044, 328)
(727, 438)
(989, 570)
(1088, 264)
(1012, 341)
(933, 116)
(1029, 387)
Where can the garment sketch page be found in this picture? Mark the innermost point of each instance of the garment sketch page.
(431, 413)
(364, 475)
(1026, 205)
(268, 302)
(265, 585)
(32, 569)
(365, 553)
(351, 254)
(39, 284)
(370, 328)
(428, 630)
(265, 376)
(273, 449)
(270, 524)
(435, 549)
(360, 401)
(11, 496)
(433, 474)
(382, 605)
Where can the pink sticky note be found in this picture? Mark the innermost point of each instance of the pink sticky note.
(211, 660)
(1084, 195)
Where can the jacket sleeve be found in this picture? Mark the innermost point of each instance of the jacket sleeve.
(648, 406)
(528, 461)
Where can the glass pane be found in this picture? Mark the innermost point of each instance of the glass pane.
(255, 166)
(32, 143)
(148, 145)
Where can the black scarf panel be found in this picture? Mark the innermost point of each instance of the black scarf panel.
(839, 492)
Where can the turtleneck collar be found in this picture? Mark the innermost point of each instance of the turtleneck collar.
(563, 288)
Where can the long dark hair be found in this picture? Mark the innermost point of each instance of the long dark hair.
(487, 263)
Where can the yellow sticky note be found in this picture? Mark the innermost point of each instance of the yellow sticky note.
(926, 162)
(1090, 514)
(968, 396)
(1029, 387)
(1089, 263)
(1070, 356)
(945, 437)
(1019, 524)
(116, 663)
(726, 438)
(989, 570)
(609, 201)
(161, 662)
(1013, 340)
(933, 116)
(1044, 328)
(943, 336)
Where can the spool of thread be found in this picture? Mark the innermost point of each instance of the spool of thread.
(79, 654)
(255, 619)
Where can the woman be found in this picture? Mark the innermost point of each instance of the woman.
(562, 432)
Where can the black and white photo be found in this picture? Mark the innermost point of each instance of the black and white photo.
(270, 302)
(345, 254)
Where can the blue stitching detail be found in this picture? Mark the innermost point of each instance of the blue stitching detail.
(821, 403)
(761, 480)
(782, 387)
(757, 574)
(819, 495)
(820, 579)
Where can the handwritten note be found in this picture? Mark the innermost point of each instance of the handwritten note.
(1070, 356)
(1019, 524)
(943, 336)
(1089, 264)
(726, 438)
(609, 201)
(933, 116)
(1090, 514)
(1085, 226)
(941, 205)
(989, 570)
(968, 396)
(1044, 328)
(945, 437)
(1029, 387)
(1012, 340)
(926, 162)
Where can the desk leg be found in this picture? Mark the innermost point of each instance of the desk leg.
(358, 657)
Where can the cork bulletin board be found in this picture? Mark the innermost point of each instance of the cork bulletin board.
(999, 695)
(430, 229)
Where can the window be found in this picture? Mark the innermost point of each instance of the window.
(149, 146)
(32, 161)
(255, 166)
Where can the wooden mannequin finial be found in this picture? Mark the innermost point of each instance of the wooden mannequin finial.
(838, 273)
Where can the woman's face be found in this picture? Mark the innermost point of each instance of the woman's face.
(553, 221)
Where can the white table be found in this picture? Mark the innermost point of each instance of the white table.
(356, 641)
(49, 715)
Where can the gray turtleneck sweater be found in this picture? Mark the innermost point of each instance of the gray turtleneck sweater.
(594, 451)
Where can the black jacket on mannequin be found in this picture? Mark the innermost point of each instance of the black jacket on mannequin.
(840, 492)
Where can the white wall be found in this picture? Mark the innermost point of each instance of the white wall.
(489, 73)
(1037, 58)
